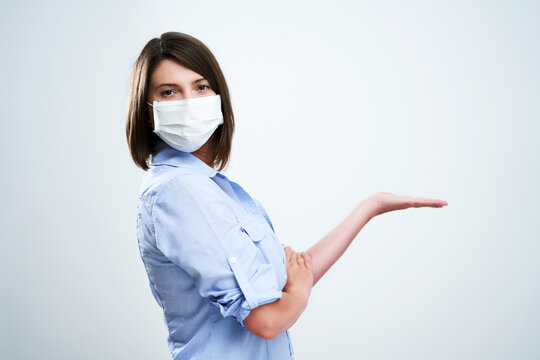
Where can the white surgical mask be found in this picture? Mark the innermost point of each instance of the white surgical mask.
(187, 124)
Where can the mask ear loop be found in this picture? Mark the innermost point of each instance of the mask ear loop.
(148, 123)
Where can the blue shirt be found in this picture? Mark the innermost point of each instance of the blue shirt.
(211, 256)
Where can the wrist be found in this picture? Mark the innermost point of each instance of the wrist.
(300, 297)
(369, 206)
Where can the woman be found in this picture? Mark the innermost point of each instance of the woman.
(228, 288)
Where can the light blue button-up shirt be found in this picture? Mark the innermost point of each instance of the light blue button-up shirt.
(211, 256)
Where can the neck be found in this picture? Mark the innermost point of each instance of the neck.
(204, 153)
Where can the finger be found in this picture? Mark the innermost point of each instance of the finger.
(405, 201)
(300, 258)
(292, 256)
(303, 259)
(307, 259)
(421, 201)
(288, 253)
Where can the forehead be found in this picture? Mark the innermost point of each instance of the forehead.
(169, 71)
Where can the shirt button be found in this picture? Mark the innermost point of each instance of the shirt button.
(233, 259)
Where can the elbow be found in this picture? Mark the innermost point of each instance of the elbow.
(260, 326)
(268, 332)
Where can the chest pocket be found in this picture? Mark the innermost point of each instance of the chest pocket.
(253, 227)
(258, 229)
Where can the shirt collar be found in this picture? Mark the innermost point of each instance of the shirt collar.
(164, 154)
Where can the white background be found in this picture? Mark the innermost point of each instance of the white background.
(333, 101)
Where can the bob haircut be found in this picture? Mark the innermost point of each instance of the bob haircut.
(193, 54)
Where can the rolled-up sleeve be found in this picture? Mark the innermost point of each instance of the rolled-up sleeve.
(195, 228)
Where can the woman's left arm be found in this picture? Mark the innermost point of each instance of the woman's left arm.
(326, 251)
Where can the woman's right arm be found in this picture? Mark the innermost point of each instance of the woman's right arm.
(270, 319)
(330, 248)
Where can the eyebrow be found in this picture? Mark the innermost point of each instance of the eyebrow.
(176, 85)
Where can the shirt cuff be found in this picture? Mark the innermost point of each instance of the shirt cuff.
(260, 289)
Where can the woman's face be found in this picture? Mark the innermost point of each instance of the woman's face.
(172, 81)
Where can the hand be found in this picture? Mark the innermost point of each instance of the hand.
(384, 202)
(299, 272)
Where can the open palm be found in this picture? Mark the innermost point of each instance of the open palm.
(384, 202)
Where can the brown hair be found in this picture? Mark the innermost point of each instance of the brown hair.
(193, 54)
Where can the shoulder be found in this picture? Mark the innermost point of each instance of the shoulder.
(159, 186)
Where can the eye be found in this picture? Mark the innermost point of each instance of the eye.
(204, 87)
(167, 93)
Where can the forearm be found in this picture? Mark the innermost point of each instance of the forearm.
(270, 319)
(330, 248)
